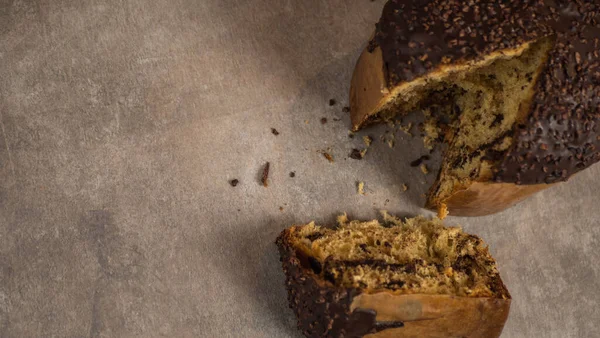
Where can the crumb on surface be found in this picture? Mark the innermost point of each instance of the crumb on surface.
(306, 121)
(391, 143)
(265, 175)
(356, 154)
(323, 120)
(424, 169)
(328, 157)
(280, 208)
(360, 188)
(367, 140)
(234, 182)
(346, 109)
(332, 102)
(406, 128)
(442, 211)
(404, 187)
(292, 174)
(350, 134)
(274, 131)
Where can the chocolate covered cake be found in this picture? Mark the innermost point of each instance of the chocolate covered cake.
(511, 87)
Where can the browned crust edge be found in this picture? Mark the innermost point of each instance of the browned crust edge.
(486, 198)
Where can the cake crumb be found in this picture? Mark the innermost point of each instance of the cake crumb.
(274, 131)
(442, 211)
(424, 169)
(356, 154)
(391, 142)
(367, 140)
(406, 129)
(265, 175)
(280, 208)
(306, 121)
(234, 182)
(350, 134)
(328, 157)
(363, 152)
(342, 219)
(404, 187)
(361, 188)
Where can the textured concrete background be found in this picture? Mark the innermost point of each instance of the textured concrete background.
(121, 123)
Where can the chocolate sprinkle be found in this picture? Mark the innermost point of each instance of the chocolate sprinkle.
(561, 133)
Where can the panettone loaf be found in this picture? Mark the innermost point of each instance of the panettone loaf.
(401, 279)
(512, 87)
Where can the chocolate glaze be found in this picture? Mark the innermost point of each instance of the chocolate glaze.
(561, 134)
(322, 309)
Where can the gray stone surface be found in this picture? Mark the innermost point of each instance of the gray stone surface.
(121, 123)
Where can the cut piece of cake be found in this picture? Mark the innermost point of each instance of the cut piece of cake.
(511, 87)
(415, 278)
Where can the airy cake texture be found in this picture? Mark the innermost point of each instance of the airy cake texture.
(415, 256)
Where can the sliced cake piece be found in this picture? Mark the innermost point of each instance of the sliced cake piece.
(511, 87)
(415, 278)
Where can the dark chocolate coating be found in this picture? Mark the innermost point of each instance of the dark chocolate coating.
(322, 309)
(561, 134)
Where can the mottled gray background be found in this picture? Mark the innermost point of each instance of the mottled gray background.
(121, 123)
